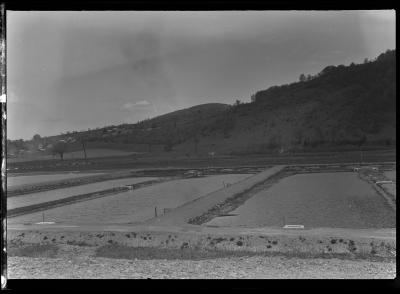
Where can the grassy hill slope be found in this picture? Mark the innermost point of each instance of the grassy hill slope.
(343, 107)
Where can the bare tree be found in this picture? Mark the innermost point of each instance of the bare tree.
(60, 148)
(83, 143)
(82, 140)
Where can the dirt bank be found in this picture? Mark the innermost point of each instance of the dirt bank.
(316, 242)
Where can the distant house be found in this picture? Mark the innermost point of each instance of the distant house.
(69, 140)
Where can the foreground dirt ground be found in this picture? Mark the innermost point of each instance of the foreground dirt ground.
(255, 267)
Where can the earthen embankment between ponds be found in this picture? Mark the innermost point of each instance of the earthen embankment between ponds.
(312, 242)
(181, 215)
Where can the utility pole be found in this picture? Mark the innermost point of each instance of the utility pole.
(84, 148)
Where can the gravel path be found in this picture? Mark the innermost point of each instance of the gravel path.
(255, 267)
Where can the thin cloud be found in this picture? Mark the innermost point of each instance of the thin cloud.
(135, 105)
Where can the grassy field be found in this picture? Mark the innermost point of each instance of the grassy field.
(335, 200)
(90, 153)
(163, 160)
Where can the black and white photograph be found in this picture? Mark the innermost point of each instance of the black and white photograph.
(189, 144)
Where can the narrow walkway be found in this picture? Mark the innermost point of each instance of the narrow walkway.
(184, 213)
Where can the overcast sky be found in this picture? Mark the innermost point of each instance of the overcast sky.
(76, 70)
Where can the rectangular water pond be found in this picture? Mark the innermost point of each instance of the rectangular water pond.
(39, 197)
(133, 206)
(335, 200)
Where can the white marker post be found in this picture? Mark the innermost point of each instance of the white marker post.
(286, 226)
(293, 227)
